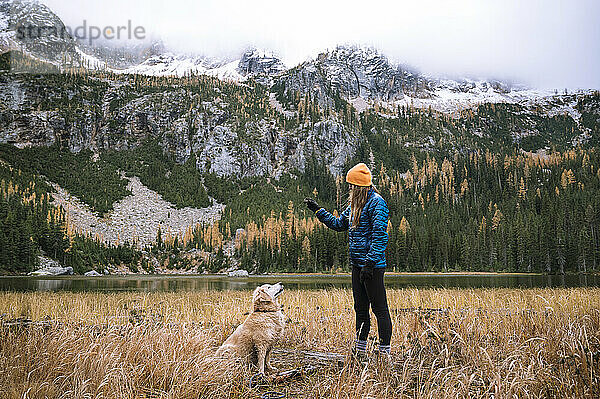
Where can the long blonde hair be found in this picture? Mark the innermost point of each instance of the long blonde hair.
(358, 199)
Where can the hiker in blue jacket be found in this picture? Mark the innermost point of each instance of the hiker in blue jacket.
(366, 219)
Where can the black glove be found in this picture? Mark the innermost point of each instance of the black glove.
(366, 273)
(311, 204)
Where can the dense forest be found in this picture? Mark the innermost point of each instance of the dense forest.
(481, 212)
(465, 191)
(30, 226)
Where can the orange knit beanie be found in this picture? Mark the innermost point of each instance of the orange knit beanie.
(359, 175)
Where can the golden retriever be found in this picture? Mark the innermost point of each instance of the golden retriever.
(255, 337)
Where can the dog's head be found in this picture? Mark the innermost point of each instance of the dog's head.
(264, 297)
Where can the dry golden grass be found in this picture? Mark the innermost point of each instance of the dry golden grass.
(497, 343)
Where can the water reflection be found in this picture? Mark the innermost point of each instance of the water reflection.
(51, 285)
(203, 283)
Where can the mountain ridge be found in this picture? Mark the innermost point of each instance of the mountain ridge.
(355, 71)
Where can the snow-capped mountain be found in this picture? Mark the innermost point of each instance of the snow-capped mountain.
(448, 95)
(353, 72)
(361, 75)
(364, 76)
(32, 28)
(21, 21)
(451, 96)
(171, 64)
(254, 62)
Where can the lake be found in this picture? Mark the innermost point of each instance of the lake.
(149, 283)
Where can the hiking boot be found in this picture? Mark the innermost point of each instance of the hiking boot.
(359, 357)
(383, 359)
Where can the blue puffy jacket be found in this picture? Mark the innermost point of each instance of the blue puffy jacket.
(369, 239)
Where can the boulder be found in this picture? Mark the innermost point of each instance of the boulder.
(50, 267)
(92, 273)
(238, 273)
(53, 271)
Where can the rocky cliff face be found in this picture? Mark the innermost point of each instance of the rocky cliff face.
(110, 112)
(259, 62)
(114, 115)
(354, 71)
(33, 28)
(273, 151)
(362, 73)
(232, 132)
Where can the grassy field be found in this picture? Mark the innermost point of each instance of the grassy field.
(497, 343)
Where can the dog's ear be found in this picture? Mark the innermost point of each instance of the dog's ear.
(258, 291)
(262, 301)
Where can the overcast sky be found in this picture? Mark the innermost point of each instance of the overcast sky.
(550, 43)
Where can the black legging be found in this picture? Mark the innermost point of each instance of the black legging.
(371, 293)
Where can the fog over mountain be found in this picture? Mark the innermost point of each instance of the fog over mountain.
(550, 44)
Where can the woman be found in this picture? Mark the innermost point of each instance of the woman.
(366, 218)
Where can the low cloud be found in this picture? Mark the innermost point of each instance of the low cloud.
(549, 43)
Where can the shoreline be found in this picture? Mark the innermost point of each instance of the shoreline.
(300, 275)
